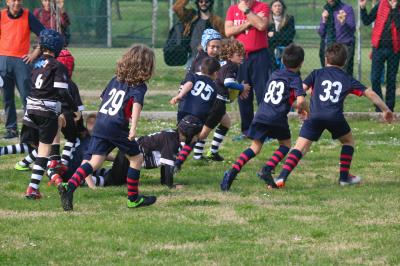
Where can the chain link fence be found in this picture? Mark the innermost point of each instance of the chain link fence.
(101, 30)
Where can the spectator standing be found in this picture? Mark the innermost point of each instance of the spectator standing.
(16, 23)
(196, 21)
(385, 46)
(49, 19)
(247, 22)
(337, 25)
(281, 32)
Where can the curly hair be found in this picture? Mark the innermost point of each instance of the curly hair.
(230, 47)
(136, 65)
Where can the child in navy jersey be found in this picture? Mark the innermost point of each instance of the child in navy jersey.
(199, 94)
(270, 120)
(122, 102)
(232, 53)
(330, 86)
(49, 90)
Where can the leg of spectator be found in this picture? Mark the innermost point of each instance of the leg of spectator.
(23, 79)
(350, 59)
(260, 68)
(9, 103)
(378, 60)
(246, 105)
(392, 69)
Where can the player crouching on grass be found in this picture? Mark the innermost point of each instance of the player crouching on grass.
(122, 102)
(228, 89)
(330, 86)
(50, 88)
(270, 120)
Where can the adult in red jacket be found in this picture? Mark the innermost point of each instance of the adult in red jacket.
(16, 23)
(385, 45)
(247, 21)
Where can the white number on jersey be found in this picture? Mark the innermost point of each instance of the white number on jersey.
(328, 86)
(114, 102)
(274, 92)
(39, 81)
(202, 89)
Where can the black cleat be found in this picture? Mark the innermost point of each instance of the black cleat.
(214, 156)
(227, 181)
(266, 176)
(66, 197)
(141, 201)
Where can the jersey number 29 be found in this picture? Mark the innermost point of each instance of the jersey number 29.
(114, 102)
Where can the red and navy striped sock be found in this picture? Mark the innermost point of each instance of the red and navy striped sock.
(79, 176)
(244, 157)
(346, 155)
(291, 162)
(184, 153)
(132, 181)
(276, 158)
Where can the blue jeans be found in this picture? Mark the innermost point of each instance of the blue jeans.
(14, 72)
(379, 56)
(254, 71)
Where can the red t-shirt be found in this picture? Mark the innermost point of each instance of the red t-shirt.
(252, 39)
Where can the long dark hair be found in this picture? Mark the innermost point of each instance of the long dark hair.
(285, 17)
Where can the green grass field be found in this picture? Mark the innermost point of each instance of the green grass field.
(312, 221)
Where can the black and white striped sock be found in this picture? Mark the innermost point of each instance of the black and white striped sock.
(30, 158)
(67, 153)
(219, 136)
(198, 149)
(14, 149)
(38, 172)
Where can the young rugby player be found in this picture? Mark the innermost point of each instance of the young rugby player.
(270, 120)
(330, 86)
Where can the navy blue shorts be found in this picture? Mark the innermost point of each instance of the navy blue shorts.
(312, 128)
(100, 146)
(260, 131)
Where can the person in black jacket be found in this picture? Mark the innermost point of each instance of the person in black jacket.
(281, 31)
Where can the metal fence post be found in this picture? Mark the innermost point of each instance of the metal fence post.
(359, 66)
(109, 29)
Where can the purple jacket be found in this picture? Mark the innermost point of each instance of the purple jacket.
(345, 32)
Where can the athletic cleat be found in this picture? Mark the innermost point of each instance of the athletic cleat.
(350, 180)
(32, 193)
(214, 156)
(66, 197)
(56, 167)
(19, 167)
(55, 180)
(266, 176)
(280, 182)
(227, 181)
(199, 158)
(142, 201)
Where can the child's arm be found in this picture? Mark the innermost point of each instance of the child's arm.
(302, 107)
(305, 87)
(184, 90)
(375, 99)
(136, 109)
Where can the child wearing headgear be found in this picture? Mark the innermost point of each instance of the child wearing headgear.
(50, 88)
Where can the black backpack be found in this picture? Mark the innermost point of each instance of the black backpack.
(177, 48)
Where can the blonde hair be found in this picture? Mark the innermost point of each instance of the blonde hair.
(230, 47)
(136, 66)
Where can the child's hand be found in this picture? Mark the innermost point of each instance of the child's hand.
(174, 100)
(132, 134)
(77, 116)
(245, 93)
(388, 116)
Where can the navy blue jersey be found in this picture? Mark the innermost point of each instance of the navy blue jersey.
(282, 89)
(330, 86)
(115, 111)
(200, 98)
